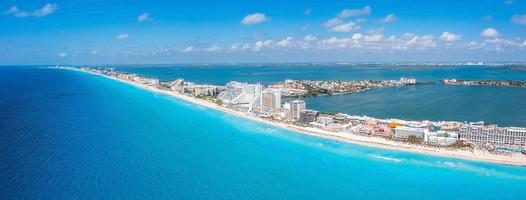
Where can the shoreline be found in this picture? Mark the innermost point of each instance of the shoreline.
(375, 142)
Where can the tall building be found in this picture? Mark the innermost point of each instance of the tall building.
(202, 90)
(296, 107)
(307, 116)
(233, 90)
(242, 96)
(177, 85)
(493, 135)
(271, 99)
(251, 94)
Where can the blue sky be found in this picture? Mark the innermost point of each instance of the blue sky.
(113, 32)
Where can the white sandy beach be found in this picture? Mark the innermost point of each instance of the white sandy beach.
(377, 142)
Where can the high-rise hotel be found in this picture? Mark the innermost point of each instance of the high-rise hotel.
(296, 107)
(493, 135)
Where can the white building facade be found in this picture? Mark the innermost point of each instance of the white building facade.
(493, 135)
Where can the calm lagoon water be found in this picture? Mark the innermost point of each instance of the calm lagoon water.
(70, 135)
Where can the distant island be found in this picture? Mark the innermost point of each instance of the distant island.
(485, 83)
(469, 140)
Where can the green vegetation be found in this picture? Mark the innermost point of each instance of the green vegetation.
(425, 83)
(314, 92)
(328, 113)
(461, 144)
(413, 140)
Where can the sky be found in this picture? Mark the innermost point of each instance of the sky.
(260, 31)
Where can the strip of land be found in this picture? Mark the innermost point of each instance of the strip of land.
(379, 142)
(485, 83)
(312, 88)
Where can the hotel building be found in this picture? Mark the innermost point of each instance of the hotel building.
(177, 86)
(307, 116)
(402, 132)
(493, 135)
(241, 96)
(271, 99)
(296, 107)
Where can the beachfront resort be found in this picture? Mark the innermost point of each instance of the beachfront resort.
(265, 102)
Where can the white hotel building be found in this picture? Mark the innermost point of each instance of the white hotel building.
(296, 106)
(242, 96)
(493, 135)
(402, 132)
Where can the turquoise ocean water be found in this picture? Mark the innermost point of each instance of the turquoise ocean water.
(71, 135)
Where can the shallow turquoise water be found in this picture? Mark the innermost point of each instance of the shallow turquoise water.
(67, 135)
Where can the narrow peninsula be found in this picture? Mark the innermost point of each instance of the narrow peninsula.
(467, 140)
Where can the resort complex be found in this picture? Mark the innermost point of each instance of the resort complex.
(265, 103)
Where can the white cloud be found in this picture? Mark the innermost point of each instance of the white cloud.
(94, 52)
(490, 32)
(122, 36)
(235, 46)
(144, 17)
(359, 37)
(508, 2)
(356, 36)
(474, 45)
(407, 41)
(254, 18)
(333, 22)
(62, 55)
(285, 42)
(213, 48)
(46, 10)
(354, 12)
(502, 42)
(376, 41)
(188, 49)
(41, 12)
(310, 38)
(347, 27)
(307, 11)
(389, 18)
(494, 40)
(334, 42)
(16, 12)
(373, 38)
(450, 37)
(519, 19)
(257, 46)
(267, 43)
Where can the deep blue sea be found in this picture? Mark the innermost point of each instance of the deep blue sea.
(70, 135)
